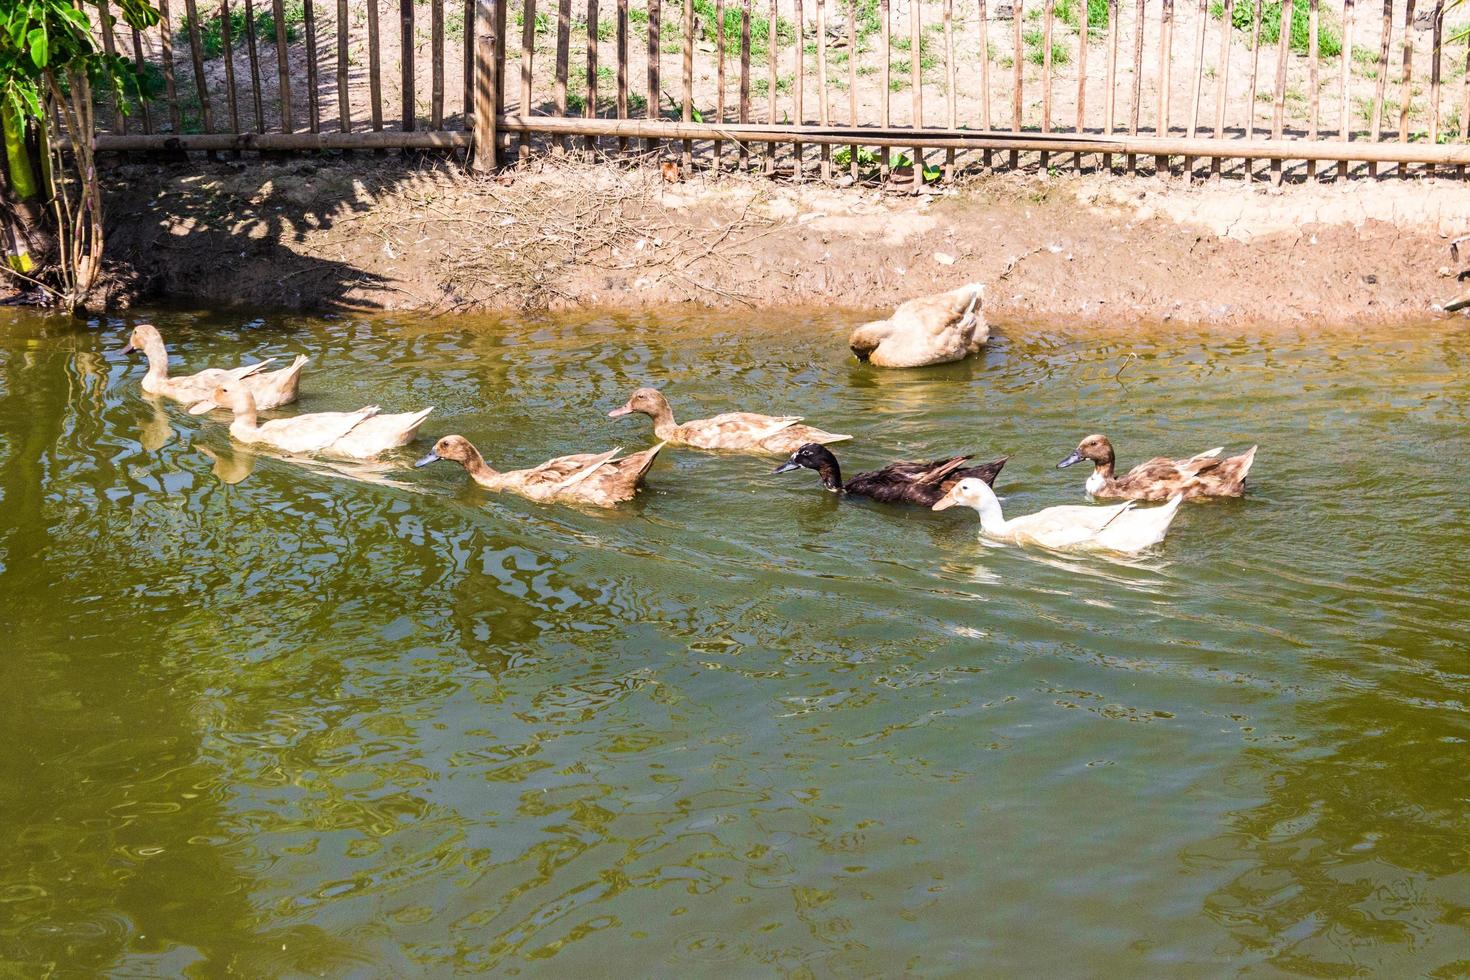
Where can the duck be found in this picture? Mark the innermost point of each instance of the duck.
(1201, 475)
(897, 483)
(1120, 527)
(601, 479)
(927, 330)
(271, 389)
(362, 434)
(731, 431)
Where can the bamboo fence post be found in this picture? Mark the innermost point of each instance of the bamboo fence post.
(1406, 91)
(688, 115)
(985, 78)
(1082, 32)
(1380, 89)
(406, 72)
(471, 36)
(498, 80)
(719, 147)
(1465, 108)
(228, 50)
(823, 116)
(916, 84)
(949, 76)
(436, 64)
(196, 51)
(1223, 89)
(1202, 14)
(283, 67)
(772, 42)
(109, 47)
(1133, 109)
(563, 57)
(1166, 63)
(744, 78)
(489, 79)
(800, 56)
(1345, 132)
(1313, 79)
(1047, 13)
(528, 54)
(1278, 98)
(852, 107)
(138, 61)
(1018, 59)
(253, 56)
(885, 100)
(1110, 96)
(622, 59)
(593, 31)
(344, 100)
(166, 42)
(1434, 76)
(375, 67)
(652, 108)
(313, 102)
(1250, 95)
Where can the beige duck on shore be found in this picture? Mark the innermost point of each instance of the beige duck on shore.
(600, 479)
(1123, 527)
(927, 330)
(362, 434)
(271, 389)
(736, 431)
(1201, 475)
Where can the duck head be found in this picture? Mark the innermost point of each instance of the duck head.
(145, 338)
(232, 395)
(969, 492)
(648, 401)
(454, 449)
(814, 456)
(1095, 448)
(866, 338)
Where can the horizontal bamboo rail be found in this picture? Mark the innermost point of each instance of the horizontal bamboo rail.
(538, 82)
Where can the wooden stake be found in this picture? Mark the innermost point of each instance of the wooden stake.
(1406, 92)
(800, 55)
(528, 54)
(852, 109)
(471, 38)
(436, 64)
(823, 108)
(1345, 131)
(375, 67)
(652, 111)
(985, 123)
(344, 95)
(196, 50)
(1434, 73)
(138, 62)
(109, 47)
(885, 98)
(166, 42)
(688, 158)
(1250, 95)
(1133, 109)
(563, 59)
(313, 99)
(1047, 12)
(622, 58)
(1202, 14)
(1380, 89)
(719, 146)
(745, 77)
(916, 85)
(1110, 96)
(489, 20)
(1278, 100)
(1166, 63)
(772, 43)
(1313, 80)
(229, 54)
(593, 30)
(1082, 33)
(949, 83)
(1227, 27)
(1018, 61)
(283, 66)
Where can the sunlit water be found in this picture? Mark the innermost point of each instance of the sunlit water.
(273, 719)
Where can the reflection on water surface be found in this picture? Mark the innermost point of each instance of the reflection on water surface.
(273, 718)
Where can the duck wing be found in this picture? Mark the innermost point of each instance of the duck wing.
(985, 471)
(245, 371)
(314, 432)
(277, 388)
(585, 465)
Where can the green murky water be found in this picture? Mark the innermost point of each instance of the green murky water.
(271, 719)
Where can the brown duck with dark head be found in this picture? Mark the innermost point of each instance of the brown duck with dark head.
(897, 483)
(1202, 475)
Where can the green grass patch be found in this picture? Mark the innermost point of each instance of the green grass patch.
(1033, 38)
(1329, 41)
(211, 29)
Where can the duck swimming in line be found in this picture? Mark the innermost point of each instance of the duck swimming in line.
(362, 434)
(731, 431)
(592, 478)
(1203, 475)
(271, 389)
(928, 330)
(1120, 527)
(897, 483)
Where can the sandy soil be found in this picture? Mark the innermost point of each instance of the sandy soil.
(377, 233)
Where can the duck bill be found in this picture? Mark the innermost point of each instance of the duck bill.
(618, 413)
(943, 503)
(432, 457)
(130, 349)
(786, 467)
(1076, 457)
(202, 408)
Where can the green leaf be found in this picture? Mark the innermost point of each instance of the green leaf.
(39, 46)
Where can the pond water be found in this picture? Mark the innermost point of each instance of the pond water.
(271, 718)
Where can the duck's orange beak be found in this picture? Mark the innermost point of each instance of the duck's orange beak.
(618, 413)
(202, 408)
(943, 503)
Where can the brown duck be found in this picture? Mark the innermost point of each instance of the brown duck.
(1203, 475)
(732, 431)
(897, 483)
(600, 479)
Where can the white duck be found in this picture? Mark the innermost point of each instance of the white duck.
(270, 388)
(362, 434)
(927, 330)
(1121, 527)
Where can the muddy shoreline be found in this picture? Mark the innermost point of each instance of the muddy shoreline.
(388, 235)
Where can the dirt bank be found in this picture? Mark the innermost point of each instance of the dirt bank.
(375, 233)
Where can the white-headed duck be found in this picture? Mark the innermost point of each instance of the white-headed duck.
(271, 389)
(1120, 527)
(362, 434)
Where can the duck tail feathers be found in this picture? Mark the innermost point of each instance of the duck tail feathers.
(829, 438)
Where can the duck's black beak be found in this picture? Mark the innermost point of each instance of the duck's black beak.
(433, 457)
(1076, 457)
(787, 467)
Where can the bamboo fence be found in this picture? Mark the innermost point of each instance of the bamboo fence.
(813, 89)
